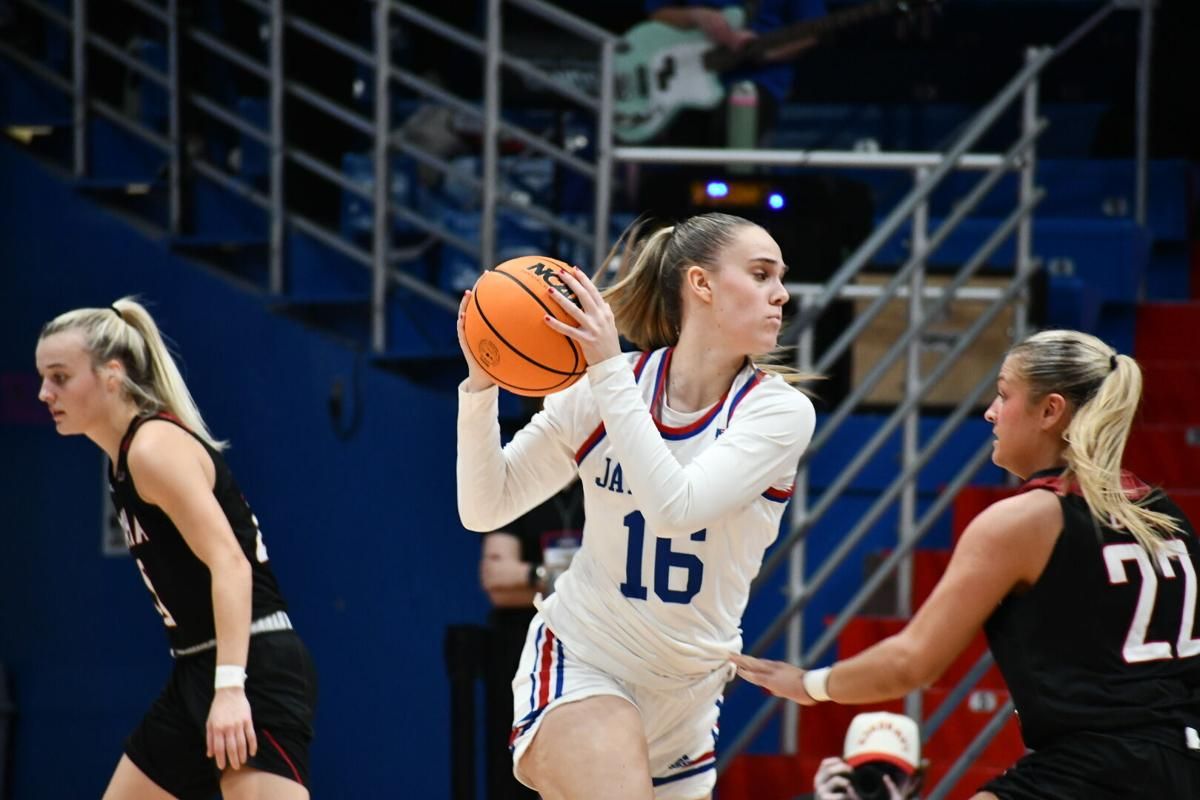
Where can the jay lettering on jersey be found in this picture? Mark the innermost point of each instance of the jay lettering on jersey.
(612, 479)
(134, 534)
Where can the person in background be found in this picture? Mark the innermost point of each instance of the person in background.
(881, 760)
(772, 80)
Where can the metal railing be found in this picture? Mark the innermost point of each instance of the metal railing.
(372, 55)
(383, 255)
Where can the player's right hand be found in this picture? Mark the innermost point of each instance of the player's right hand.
(229, 733)
(777, 677)
(477, 379)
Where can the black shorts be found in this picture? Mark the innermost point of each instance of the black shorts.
(281, 685)
(1102, 766)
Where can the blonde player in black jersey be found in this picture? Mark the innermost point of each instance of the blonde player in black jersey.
(236, 715)
(1085, 583)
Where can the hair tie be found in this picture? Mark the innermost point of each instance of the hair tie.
(117, 311)
(1112, 363)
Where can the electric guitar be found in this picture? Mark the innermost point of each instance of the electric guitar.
(660, 69)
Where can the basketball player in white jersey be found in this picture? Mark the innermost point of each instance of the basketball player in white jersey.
(687, 452)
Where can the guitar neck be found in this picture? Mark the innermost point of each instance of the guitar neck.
(720, 59)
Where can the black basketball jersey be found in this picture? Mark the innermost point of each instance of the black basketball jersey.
(1107, 639)
(178, 581)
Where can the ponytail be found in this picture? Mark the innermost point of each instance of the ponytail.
(1104, 389)
(646, 297)
(125, 331)
(1096, 438)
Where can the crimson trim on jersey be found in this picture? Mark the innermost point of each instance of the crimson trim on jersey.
(754, 380)
(589, 444)
(779, 495)
(127, 442)
(597, 435)
(686, 431)
(1134, 487)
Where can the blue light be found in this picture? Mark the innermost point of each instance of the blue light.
(717, 189)
(775, 201)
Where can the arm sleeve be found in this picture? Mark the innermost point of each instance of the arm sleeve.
(767, 441)
(496, 485)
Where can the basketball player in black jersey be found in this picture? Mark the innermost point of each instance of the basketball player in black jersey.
(236, 714)
(1085, 582)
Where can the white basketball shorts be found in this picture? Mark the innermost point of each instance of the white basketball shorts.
(680, 725)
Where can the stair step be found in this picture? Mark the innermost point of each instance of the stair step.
(1165, 455)
(1164, 332)
(1110, 255)
(1171, 393)
(126, 185)
(970, 502)
(965, 723)
(212, 241)
(765, 777)
(928, 567)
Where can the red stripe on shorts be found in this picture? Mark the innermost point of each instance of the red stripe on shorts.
(544, 672)
(291, 766)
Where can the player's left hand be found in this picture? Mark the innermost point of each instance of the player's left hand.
(778, 678)
(229, 733)
(597, 332)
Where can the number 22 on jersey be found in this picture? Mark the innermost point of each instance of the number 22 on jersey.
(1136, 648)
(665, 559)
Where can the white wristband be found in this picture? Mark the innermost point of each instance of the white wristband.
(816, 683)
(229, 675)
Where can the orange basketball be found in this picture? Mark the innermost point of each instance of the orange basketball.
(507, 334)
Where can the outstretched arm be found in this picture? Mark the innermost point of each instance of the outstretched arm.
(1006, 547)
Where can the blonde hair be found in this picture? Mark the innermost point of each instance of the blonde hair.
(1104, 389)
(646, 296)
(126, 332)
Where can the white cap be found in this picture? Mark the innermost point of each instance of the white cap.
(880, 736)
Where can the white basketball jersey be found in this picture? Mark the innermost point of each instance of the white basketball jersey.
(679, 508)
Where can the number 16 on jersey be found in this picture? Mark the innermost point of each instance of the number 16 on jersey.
(665, 560)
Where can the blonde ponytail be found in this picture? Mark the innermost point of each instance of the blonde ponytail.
(1104, 389)
(646, 297)
(125, 331)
